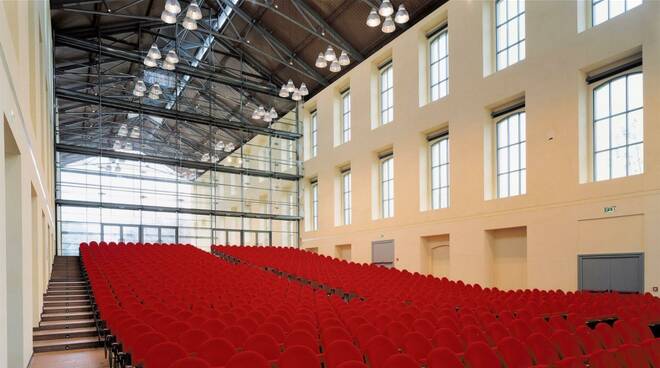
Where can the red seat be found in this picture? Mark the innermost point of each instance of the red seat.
(364, 333)
(332, 334)
(143, 343)
(607, 335)
(497, 331)
(416, 345)
(246, 359)
(378, 349)
(298, 357)
(633, 356)
(395, 331)
(264, 345)
(192, 339)
(352, 364)
(213, 327)
(515, 354)
(237, 335)
(401, 361)
(301, 337)
(273, 330)
(190, 362)
(443, 358)
(425, 327)
(446, 338)
(341, 351)
(216, 351)
(603, 359)
(163, 354)
(566, 343)
(480, 355)
(542, 349)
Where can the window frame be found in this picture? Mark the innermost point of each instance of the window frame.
(386, 201)
(386, 68)
(594, 3)
(314, 128)
(522, 142)
(432, 142)
(520, 43)
(593, 88)
(346, 197)
(345, 119)
(432, 38)
(314, 189)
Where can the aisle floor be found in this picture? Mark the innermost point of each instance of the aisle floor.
(85, 358)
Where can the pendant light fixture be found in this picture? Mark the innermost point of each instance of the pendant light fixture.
(220, 146)
(255, 114)
(303, 89)
(154, 52)
(150, 62)
(123, 131)
(167, 65)
(386, 9)
(320, 61)
(284, 92)
(194, 12)
(296, 95)
(343, 58)
(330, 54)
(273, 113)
(335, 67)
(290, 86)
(135, 132)
(189, 24)
(205, 157)
(172, 57)
(168, 17)
(173, 6)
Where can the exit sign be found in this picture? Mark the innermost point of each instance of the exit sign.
(610, 209)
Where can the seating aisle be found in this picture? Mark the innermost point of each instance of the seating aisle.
(170, 306)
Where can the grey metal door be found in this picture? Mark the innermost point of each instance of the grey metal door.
(382, 253)
(611, 272)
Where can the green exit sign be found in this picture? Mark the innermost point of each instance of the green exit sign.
(610, 209)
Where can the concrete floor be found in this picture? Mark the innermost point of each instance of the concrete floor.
(85, 358)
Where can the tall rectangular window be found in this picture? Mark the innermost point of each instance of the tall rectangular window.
(346, 116)
(511, 155)
(602, 10)
(509, 32)
(386, 93)
(314, 140)
(346, 196)
(315, 205)
(618, 127)
(439, 64)
(439, 151)
(387, 186)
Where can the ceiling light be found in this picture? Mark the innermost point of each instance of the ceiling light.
(343, 58)
(206, 157)
(140, 86)
(220, 146)
(116, 146)
(155, 89)
(123, 130)
(173, 6)
(168, 17)
(154, 53)
(128, 146)
(330, 54)
(402, 15)
(255, 114)
(189, 24)
(335, 67)
(320, 61)
(167, 65)
(296, 95)
(261, 111)
(284, 92)
(268, 118)
(137, 92)
(290, 87)
(273, 113)
(135, 132)
(172, 57)
(229, 147)
(386, 9)
(373, 20)
(194, 12)
(215, 158)
(150, 62)
(153, 96)
(388, 25)
(303, 89)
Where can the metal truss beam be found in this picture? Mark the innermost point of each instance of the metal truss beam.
(191, 211)
(213, 76)
(90, 151)
(126, 106)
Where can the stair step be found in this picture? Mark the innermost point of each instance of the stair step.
(67, 303)
(67, 309)
(74, 283)
(66, 316)
(41, 346)
(58, 325)
(64, 333)
(50, 297)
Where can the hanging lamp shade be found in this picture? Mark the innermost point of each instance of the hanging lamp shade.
(153, 96)
(273, 113)
(154, 53)
(168, 17)
(296, 95)
(268, 118)
(255, 114)
(335, 67)
(290, 86)
(172, 57)
(167, 65)
(402, 15)
(303, 89)
(137, 93)
(116, 146)
(140, 86)
(330, 54)
(373, 19)
(220, 146)
(388, 25)
(343, 58)
(149, 62)
(123, 131)
(189, 24)
(155, 89)
(320, 61)
(386, 9)
(284, 92)
(135, 132)
(194, 12)
(173, 6)
(261, 111)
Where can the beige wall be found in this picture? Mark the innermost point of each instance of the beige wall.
(26, 174)
(561, 211)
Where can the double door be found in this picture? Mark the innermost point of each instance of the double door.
(241, 237)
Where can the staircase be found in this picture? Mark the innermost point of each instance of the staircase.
(66, 321)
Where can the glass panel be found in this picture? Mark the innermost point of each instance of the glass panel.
(618, 127)
(602, 102)
(167, 235)
(619, 162)
(636, 159)
(131, 234)
(111, 233)
(618, 95)
(602, 135)
(602, 165)
(150, 235)
(635, 127)
(635, 91)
